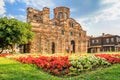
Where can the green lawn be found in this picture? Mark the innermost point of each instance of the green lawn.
(111, 73)
(12, 70)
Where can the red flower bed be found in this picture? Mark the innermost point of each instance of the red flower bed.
(54, 65)
(112, 58)
(4, 55)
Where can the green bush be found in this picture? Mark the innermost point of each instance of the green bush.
(79, 65)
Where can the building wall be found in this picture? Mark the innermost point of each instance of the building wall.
(58, 35)
(104, 43)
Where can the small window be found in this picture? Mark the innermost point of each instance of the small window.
(62, 32)
(97, 41)
(79, 34)
(60, 15)
(107, 40)
(93, 41)
(35, 16)
(71, 24)
(117, 39)
(71, 33)
(55, 24)
(66, 15)
(112, 39)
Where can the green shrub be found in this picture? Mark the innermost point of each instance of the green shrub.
(79, 65)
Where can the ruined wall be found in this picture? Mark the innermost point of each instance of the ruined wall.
(58, 34)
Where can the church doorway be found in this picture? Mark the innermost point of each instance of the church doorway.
(73, 46)
(53, 47)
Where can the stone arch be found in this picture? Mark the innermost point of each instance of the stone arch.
(60, 15)
(72, 46)
(71, 24)
(65, 15)
(53, 47)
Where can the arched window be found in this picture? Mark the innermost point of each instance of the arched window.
(55, 24)
(71, 33)
(60, 15)
(62, 32)
(37, 18)
(65, 15)
(71, 24)
(79, 34)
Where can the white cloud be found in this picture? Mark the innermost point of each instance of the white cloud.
(10, 1)
(2, 8)
(10, 16)
(21, 9)
(38, 3)
(73, 9)
(109, 1)
(34, 3)
(29, 3)
(19, 17)
(110, 13)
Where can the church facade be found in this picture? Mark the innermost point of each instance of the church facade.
(58, 35)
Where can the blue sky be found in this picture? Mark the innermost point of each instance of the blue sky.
(95, 16)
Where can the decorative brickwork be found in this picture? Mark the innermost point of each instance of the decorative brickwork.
(58, 35)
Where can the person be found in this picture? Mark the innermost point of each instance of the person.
(67, 49)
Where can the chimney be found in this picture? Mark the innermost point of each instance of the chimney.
(103, 34)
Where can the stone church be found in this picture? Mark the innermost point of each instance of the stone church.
(58, 35)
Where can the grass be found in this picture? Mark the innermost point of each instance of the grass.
(110, 73)
(12, 70)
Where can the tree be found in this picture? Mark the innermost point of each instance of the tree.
(13, 31)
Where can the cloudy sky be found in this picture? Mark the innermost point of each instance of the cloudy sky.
(95, 16)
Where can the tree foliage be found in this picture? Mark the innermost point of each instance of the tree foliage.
(13, 31)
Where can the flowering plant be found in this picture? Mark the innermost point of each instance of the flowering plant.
(54, 65)
(112, 58)
(5, 54)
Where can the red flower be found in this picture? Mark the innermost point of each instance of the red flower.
(5, 54)
(112, 58)
(54, 65)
